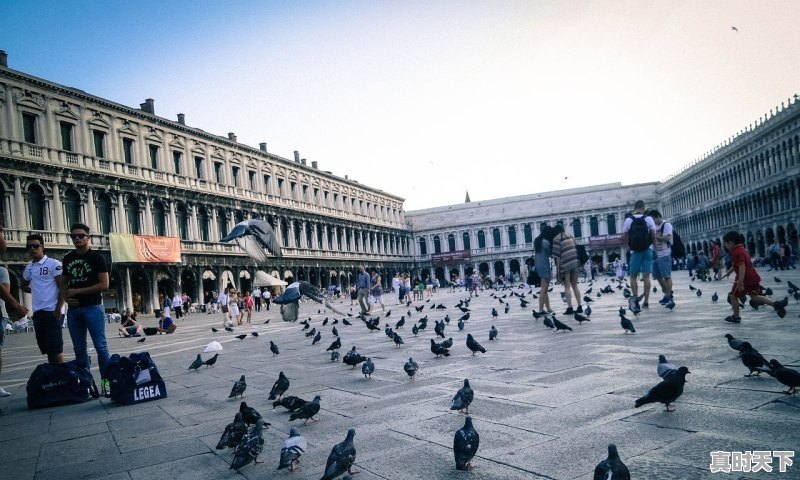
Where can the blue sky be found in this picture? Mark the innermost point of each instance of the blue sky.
(428, 99)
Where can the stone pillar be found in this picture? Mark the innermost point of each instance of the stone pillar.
(148, 217)
(91, 212)
(122, 222)
(151, 275)
(602, 225)
(173, 221)
(128, 290)
(213, 233)
(194, 233)
(303, 239)
(56, 210)
(21, 222)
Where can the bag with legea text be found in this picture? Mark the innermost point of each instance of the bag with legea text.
(60, 384)
(134, 379)
(639, 234)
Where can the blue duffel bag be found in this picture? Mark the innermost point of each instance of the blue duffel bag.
(60, 384)
(134, 379)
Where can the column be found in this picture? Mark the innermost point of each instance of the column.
(213, 233)
(315, 244)
(56, 210)
(122, 224)
(91, 212)
(303, 239)
(128, 290)
(194, 234)
(292, 237)
(586, 227)
(602, 225)
(148, 217)
(21, 222)
(151, 275)
(173, 221)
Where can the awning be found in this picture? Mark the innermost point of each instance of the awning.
(263, 279)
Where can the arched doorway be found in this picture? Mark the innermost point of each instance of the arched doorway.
(425, 273)
(513, 266)
(209, 284)
(468, 271)
(189, 285)
(245, 282)
(301, 274)
(499, 269)
(453, 275)
(140, 291)
(312, 277)
(165, 286)
(228, 280)
(440, 275)
(483, 268)
(792, 237)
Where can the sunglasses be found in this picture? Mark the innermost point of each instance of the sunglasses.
(33, 246)
(78, 236)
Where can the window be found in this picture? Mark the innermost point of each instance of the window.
(176, 162)
(280, 186)
(481, 239)
(437, 244)
(251, 180)
(222, 223)
(159, 219)
(594, 229)
(132, 212)
(29, 127)
(103, 205)
(202, 223)
(496, 236)
(153, 156)
(183, 222)
(66, 136)
(235, 176)
(218, 172)
(316, 195)
(305, 193)
(423, 247)
(36, 207)
(293, 190)
(512, 235)
(127, 150)
(611, 222)
(451, 243)
(99, 143)
(528, 233)
(466, 241)
(72, 207)
(267, 186)
(198, 168)
(577, 231)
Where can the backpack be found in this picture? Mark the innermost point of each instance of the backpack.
(639, 234)
(583, 257)
(60, 384)
(134, 379)
(677, 247)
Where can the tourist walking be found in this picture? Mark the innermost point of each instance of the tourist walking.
(362, 283)
(542, 250)
(566, 257)
(376, 290)
(639, 232)
(662, 265)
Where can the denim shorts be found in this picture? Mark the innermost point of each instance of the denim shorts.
(662, 267)
(641, 262)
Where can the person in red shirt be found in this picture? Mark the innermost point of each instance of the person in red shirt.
(747, 281)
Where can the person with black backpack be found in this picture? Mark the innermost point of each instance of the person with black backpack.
(639, 231)
(662, 265)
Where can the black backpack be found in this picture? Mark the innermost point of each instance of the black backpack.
(583, 257)
(60, 384)
(639, 234)
(677, 247)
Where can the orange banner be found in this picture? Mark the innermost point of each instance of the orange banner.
(144, 249)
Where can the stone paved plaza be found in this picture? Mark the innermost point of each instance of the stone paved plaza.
(546, 404)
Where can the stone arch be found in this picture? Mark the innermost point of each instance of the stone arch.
(514, 267)
(189, 284)
(483, 268)
(499, 268)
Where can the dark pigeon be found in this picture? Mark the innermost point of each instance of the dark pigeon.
(411, 368)
(665, 369)
(273, 348)
(249, 414)
(341, 458)
(398, 340)
(447, 343)
(465, 445)
(626, 324)
(142, 340)
(460, 325)
(293, 448)
(473, 345)
(317, 338)
(734, 343)
(580, 318)
(228, 329)
(211, 361)
(353, 358)
(492, 333)
(250, 447)
(334, 356)
(400, 322)
(438, 350)
(787, 376)
(307, 411)
(368, 368)
(494, 312)
(233, 433)
(238, 388)
(242, 336)
(198, 362)
(335, 332)
(612, 467)
(214, 330)
(560, 326)
(279, 387)
(290, 403)
(463, 398)
(752, 359)
(714, 298)
(335, 345)
(667, 391)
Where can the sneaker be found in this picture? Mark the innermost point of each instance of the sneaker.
(733, 319)
(664, 300)
(580, 309)
(4, 393)
(569, 311)
(105, 387)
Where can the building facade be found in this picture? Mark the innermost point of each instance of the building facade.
(67, 157)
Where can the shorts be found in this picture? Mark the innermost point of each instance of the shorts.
(641, 262)
(131, 330)
(662, 267)
(48, 329)
(2, 332)
(233, 310)
(753, 289)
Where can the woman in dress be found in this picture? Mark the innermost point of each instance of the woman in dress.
(541, 263)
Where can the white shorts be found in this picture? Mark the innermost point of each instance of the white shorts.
(233, 310)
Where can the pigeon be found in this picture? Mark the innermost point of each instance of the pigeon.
(249, 414)
(238, 388)
(692, 288)
(214, 330)
(787, 376)
(211, 361)
(336, 345)
(655, 289)
(273, 348)
(734, 343)
(411, 367)
(465, 317)
(447, 343)
(670, 305)
(311, 332)
(341, 458)
(507, 308)
(306, 325)
(142, 340)
(494, 312)
(580, 318)
(233, 433)
(699, 292)
(335, 332)
(353, 358)
(250, 447)
(626, 324)
(439, 329)
(473, 345)
(400, 322)
(633, 304)
(289, 300)
(548, 322)
(492, 333)
(714, 298)
(279, 387)
(463, 398)
(414, 329)
(398, 340)
(388, 330)
(752, 359)
(465, 445)
(256, 237)
(290, 403)
(334, 356)
(368, 368)
(777, 280)
(293, 447)
(242, 336)
(612, 467)
(665, 369)
(560, 326)
(460, 325)
(388, 313)
(317, 338)
(346, 322)
(438, 350)
(198, 362)
(255, 334)
(667, 391)
(325, 322)
(588, 311)
(267, 321)
(419, 309)
(587, 299)
(307, 411)
(622, 311)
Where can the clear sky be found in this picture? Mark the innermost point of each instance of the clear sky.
(428, 99)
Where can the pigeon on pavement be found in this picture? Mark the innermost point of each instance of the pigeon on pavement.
(787, 376)
(439, 350)
(273, 348)
(233, 433)
(238, 388)
(612, 467)
(198, 362)
(293, 447)
(279, 387)
(492, 333)
(290, 403)
(211, 361)
(250, 447)
(667, 391)
(249, 414)
(473, 345)
(465, 445)
(411, 368)
(335, 345)
(368, 368)
(341, 458)
(626, 324)
(353, 358)
(752, 359)
(560, 326)
(665, 369)
(463, 398)
(734, 343)
(307, 412)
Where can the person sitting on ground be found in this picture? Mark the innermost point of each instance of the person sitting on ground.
(130, 327)
(165, 324)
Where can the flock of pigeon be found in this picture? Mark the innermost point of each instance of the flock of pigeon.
(244, 434)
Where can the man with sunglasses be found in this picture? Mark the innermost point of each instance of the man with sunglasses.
(44, 282)
(86, 278)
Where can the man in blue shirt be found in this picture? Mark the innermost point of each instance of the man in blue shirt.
(362, 284)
